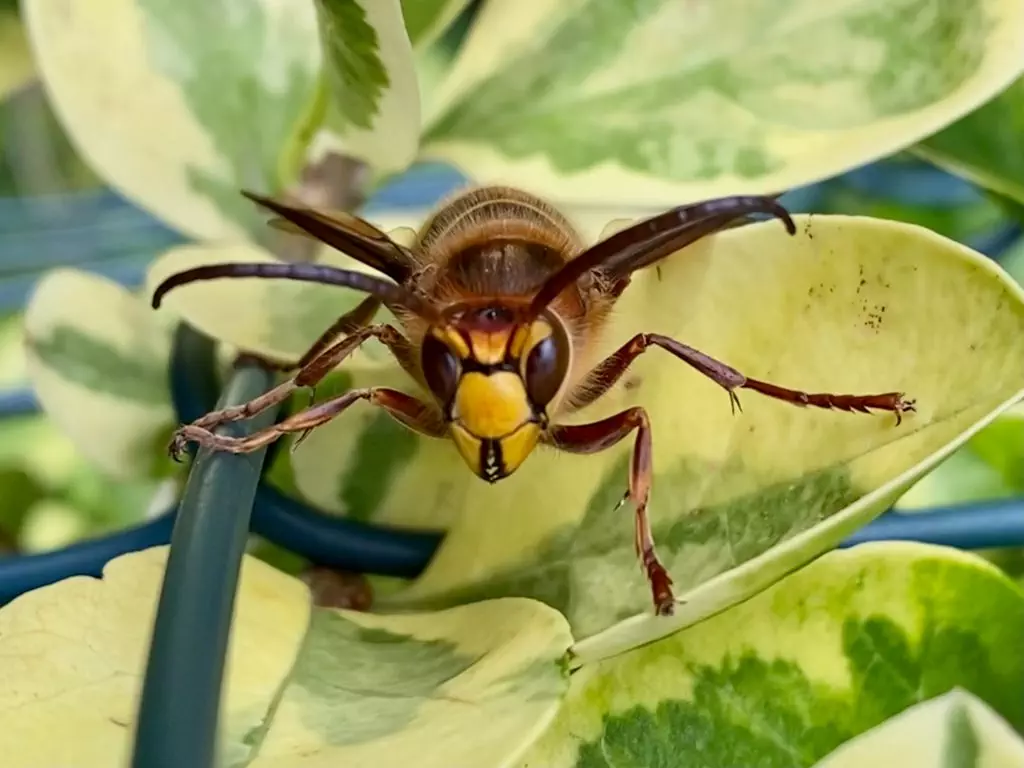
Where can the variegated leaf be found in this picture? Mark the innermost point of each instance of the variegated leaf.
(955, 729)
(847, 305)
(98, 362)
(793, 674)
(473, 686)
(664, 102)
(178, 103)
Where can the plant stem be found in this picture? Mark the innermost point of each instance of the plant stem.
(179, 711)
(181, 693)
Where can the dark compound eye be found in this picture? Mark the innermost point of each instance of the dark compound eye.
(545, 369)
(440, 368)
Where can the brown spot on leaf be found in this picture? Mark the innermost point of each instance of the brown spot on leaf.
(338, 589)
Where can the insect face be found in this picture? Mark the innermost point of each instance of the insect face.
(496, 379)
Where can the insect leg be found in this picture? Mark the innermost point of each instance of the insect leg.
(357, 317)
(599, 435)
(309, 376)
(351, 321)
(408, 410)
(606, 373)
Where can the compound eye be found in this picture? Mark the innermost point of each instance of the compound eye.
(546, 366)
(440, 368)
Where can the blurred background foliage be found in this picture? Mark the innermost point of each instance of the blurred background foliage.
(55, 211)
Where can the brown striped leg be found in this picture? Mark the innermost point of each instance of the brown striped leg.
(309, 376)
(606, 373)
(406, 409)
(599, 435)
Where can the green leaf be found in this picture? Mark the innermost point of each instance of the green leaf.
(51, 524)
(984, 146)
(1010, 560)
(425, 20)
(472, 686)
(1012, 259)
(16, 66)
(964, 222)
(370, 75)
(785, 678)
(1001, 446)
(12, 357)
(98, 361)
(659, 102)
(955, 730)
(851, 305)
(20, 492)
(34, 443)
(54, 496)
(178, 104)
(962, 478)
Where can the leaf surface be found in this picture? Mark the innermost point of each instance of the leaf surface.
(178, 103)
(97, 359)
(664, 102)
(473, 686)
(840, 647)
(848, 305)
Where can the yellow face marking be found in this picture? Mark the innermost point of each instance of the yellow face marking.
(527, 338)
(491, 406)
(455, 341)
(488, 348)
(468, 447)
(517, 446)
(494, 459)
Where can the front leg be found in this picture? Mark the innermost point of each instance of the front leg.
(311, 374)
(607, 372)
(599, 435)
(406, 409)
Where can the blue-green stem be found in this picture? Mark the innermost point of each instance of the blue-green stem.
(179, 711)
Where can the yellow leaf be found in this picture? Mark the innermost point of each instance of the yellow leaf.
(74, 653)
(472, 686)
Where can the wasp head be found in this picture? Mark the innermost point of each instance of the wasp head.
(495, 378)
